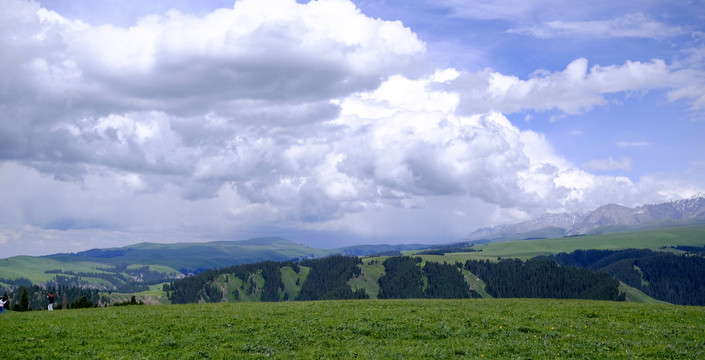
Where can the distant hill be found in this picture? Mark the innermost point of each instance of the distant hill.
(369, 250)
(605, 219)
(444, 271)
(117, 268)
(190, 257)
(132, 267)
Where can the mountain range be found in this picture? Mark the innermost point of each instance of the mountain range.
(116, 268)
(605, 219)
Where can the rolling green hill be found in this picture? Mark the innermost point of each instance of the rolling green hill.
(188, 257)
(111, 268)
(654, 239)
(119, 269)
(170, 260)
(194, 256)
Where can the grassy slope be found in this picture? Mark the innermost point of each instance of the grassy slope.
(636, 295)
(475, 283)
(154, 296)
(410, 329)
(290, 277)
(692, 235)
(220, 253)
(33, 268)
(371, 270)
(165, 258)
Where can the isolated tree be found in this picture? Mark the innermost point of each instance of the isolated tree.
(82, 303)
(24, 300)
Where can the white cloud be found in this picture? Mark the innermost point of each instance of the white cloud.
(396, 153)
(626, 144)
(277, 117)
(609, 164)
(274, 63)
(633, 25)
(573, 90)
(689, 81)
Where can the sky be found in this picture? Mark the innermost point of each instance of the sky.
(336, 122)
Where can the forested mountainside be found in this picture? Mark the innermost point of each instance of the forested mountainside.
(133, 268)
(402, 277)
(544, 278)
(678, 279)
(584, 274)
(328, 279)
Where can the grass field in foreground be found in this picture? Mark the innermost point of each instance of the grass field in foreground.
(371, 329)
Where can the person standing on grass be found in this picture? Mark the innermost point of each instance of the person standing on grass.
(2, 305)
(51, 301)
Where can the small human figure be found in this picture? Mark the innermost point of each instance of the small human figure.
(2, 305)
(51, 301)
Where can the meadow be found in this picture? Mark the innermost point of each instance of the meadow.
(372, 329)
(654, 239)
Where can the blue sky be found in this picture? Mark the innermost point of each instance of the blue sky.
(338, 122)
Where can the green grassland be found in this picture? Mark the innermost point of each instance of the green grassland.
(690, 235)
(290, 278)
(34, 268)
(475, 283)
(168, 259)
(154, 296)
(373, 329)
(216, 254)
(371, 270)
(636, 295)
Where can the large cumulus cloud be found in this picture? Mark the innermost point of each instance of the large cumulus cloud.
(261, 63)
(273, 117)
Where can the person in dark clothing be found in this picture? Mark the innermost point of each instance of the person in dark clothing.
(51, 301)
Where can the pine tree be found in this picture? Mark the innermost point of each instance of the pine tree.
(24, 300)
